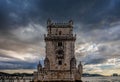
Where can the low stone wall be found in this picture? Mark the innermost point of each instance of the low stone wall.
(60, 81)
(15, 79)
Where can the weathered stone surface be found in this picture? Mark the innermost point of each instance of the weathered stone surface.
(60, 62)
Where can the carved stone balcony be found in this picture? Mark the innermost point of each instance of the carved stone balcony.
(59, 37)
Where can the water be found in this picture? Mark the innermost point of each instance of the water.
(101, 79)
(84, 79)
(15, 81)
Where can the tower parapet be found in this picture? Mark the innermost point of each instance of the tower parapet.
(56, 24)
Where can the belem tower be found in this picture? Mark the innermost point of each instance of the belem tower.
(60, 62)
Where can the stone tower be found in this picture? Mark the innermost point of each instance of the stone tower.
(60, 61)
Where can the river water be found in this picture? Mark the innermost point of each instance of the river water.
(101, 79)
(84, 79)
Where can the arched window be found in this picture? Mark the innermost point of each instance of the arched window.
(59, 43)
(47, 63)
(73, 63)
(60, 52)
(59, 62)
(60, 32)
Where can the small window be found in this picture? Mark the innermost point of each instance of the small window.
(59, 43)
(60, 32)
(60, 52)
(59, 62)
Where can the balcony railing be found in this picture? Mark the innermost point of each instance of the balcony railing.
(62, 37)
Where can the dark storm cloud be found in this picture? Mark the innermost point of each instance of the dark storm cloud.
(18, 12)
(17, 65)
(22, 25)
(92, 59)
(96, 61)
(80, 11)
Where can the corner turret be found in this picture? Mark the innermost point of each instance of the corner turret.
(49, 22)
(39, 67)
(71, 22)
(80, 68)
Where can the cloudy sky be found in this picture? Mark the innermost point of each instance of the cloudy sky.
(96, 23)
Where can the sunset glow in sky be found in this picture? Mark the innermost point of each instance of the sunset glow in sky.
(96, 23)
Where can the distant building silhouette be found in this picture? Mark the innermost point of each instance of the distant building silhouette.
(115, 74)
(60, 61)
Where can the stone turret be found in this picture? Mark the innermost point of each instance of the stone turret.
(80, 68)
(39, 67)
(71, 22)
(49, 21)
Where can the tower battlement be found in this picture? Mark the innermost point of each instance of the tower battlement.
(50, 23)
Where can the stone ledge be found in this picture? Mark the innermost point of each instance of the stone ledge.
(59, 81)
